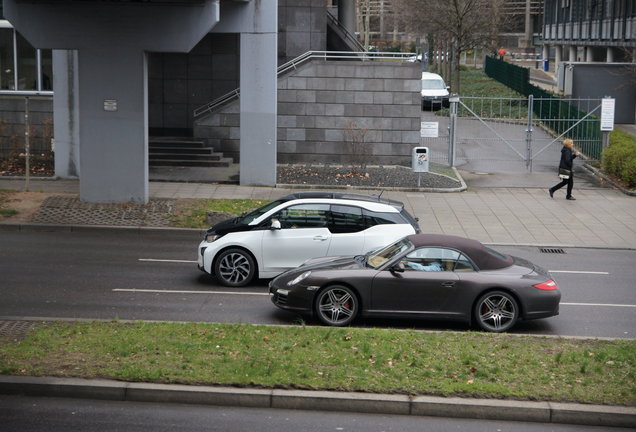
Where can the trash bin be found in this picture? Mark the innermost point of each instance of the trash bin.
(420, 159)
(546, 64)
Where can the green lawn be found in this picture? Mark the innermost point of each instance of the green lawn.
(470, 364)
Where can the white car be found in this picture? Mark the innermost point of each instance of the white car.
(285, 233)
(434, 91)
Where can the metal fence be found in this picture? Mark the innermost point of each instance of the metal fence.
(26, 131)
(568, 118)
(506, 135)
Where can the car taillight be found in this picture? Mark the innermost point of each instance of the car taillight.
(548, 285)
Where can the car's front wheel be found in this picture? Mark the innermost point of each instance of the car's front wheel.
(337, 305)
(496, 311)
(234, 267)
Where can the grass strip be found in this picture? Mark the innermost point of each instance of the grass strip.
(469, 364)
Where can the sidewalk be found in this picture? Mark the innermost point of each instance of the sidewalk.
(599, 218)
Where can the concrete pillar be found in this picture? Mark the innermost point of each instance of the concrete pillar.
(66, 113)
(572, 56)
(114, 130)
(258, 112)
(558, 58)
(609, 56)
(347, 14)
(589, 54)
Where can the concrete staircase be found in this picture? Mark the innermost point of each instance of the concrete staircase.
(183, 152)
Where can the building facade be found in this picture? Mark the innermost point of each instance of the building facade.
(589, 30)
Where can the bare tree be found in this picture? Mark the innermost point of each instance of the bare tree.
(355, 140)
(454, 26)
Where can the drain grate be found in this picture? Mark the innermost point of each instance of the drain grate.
(16, 327)
(552, 250)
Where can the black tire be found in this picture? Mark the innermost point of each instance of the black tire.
(234, 267)
(496, 311)
(337, 306)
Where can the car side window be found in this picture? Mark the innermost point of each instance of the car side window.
(346, 219)
(303, 216)
(372, 218)
(436, 259)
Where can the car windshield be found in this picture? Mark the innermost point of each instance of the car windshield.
(433, 84)
(380, 257)
(250, 216)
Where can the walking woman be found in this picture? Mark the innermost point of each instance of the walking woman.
(566, 165)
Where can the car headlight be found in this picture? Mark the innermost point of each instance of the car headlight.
(209, 237)
(299, 278)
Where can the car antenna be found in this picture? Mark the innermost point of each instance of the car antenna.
(380, 194)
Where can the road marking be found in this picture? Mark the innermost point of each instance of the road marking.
(135, 290)
(579, 272)
(166, 260)
(598, 304)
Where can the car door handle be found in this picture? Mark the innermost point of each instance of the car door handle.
(448, 284)
(321, 238)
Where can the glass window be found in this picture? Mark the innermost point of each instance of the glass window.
(46, 63)
(380, 257)
(6, 59)
(346, 219)
(436, 259)
(304, 216)
(27, 65)
(374, 218)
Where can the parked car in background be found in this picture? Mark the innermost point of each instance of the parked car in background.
(421, 276)
(284, 233)
(434, 91)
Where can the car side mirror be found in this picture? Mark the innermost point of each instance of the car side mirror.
(398, 268)
(275, 224)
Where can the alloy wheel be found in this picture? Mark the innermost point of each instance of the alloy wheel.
(496, 311)
(235, 268)
(337, 306)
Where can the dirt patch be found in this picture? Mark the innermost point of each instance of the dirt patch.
(19, 207)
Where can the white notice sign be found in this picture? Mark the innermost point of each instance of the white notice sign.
(607, 114)
(429, 129)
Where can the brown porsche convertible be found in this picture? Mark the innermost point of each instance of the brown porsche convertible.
(421, 276)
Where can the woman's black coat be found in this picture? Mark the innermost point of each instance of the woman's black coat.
(567, 158)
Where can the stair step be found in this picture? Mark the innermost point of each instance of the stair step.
(189, 163)
(183, 150)
(185, 156)
(176, 143)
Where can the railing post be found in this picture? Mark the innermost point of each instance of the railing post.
(452, 123)
(27, 145)
(529, 133)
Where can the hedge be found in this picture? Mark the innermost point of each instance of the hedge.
(619, 159)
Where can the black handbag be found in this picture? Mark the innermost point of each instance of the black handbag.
(564, 173)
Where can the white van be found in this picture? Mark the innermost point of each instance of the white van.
(434, 91)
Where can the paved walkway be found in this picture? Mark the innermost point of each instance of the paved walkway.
(600, 217)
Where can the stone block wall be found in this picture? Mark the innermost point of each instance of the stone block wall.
(336, 112)
(302, 27)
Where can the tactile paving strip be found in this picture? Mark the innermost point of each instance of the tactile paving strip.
(72, 211)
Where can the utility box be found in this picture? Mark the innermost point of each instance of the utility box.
(420, 159)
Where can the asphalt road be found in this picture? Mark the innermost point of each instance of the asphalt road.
(153, 276)
(31, 414)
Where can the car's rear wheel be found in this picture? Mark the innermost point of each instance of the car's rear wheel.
(234, 267)
(496, 311)
(337, 305)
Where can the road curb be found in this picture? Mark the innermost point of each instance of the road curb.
(35, 227)
(486, 409)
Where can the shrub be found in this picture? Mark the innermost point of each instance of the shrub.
(619, 159)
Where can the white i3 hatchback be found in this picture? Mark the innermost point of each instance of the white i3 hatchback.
(285, 233)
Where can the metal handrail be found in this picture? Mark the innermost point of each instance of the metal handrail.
(295, 63)
(350, 37)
